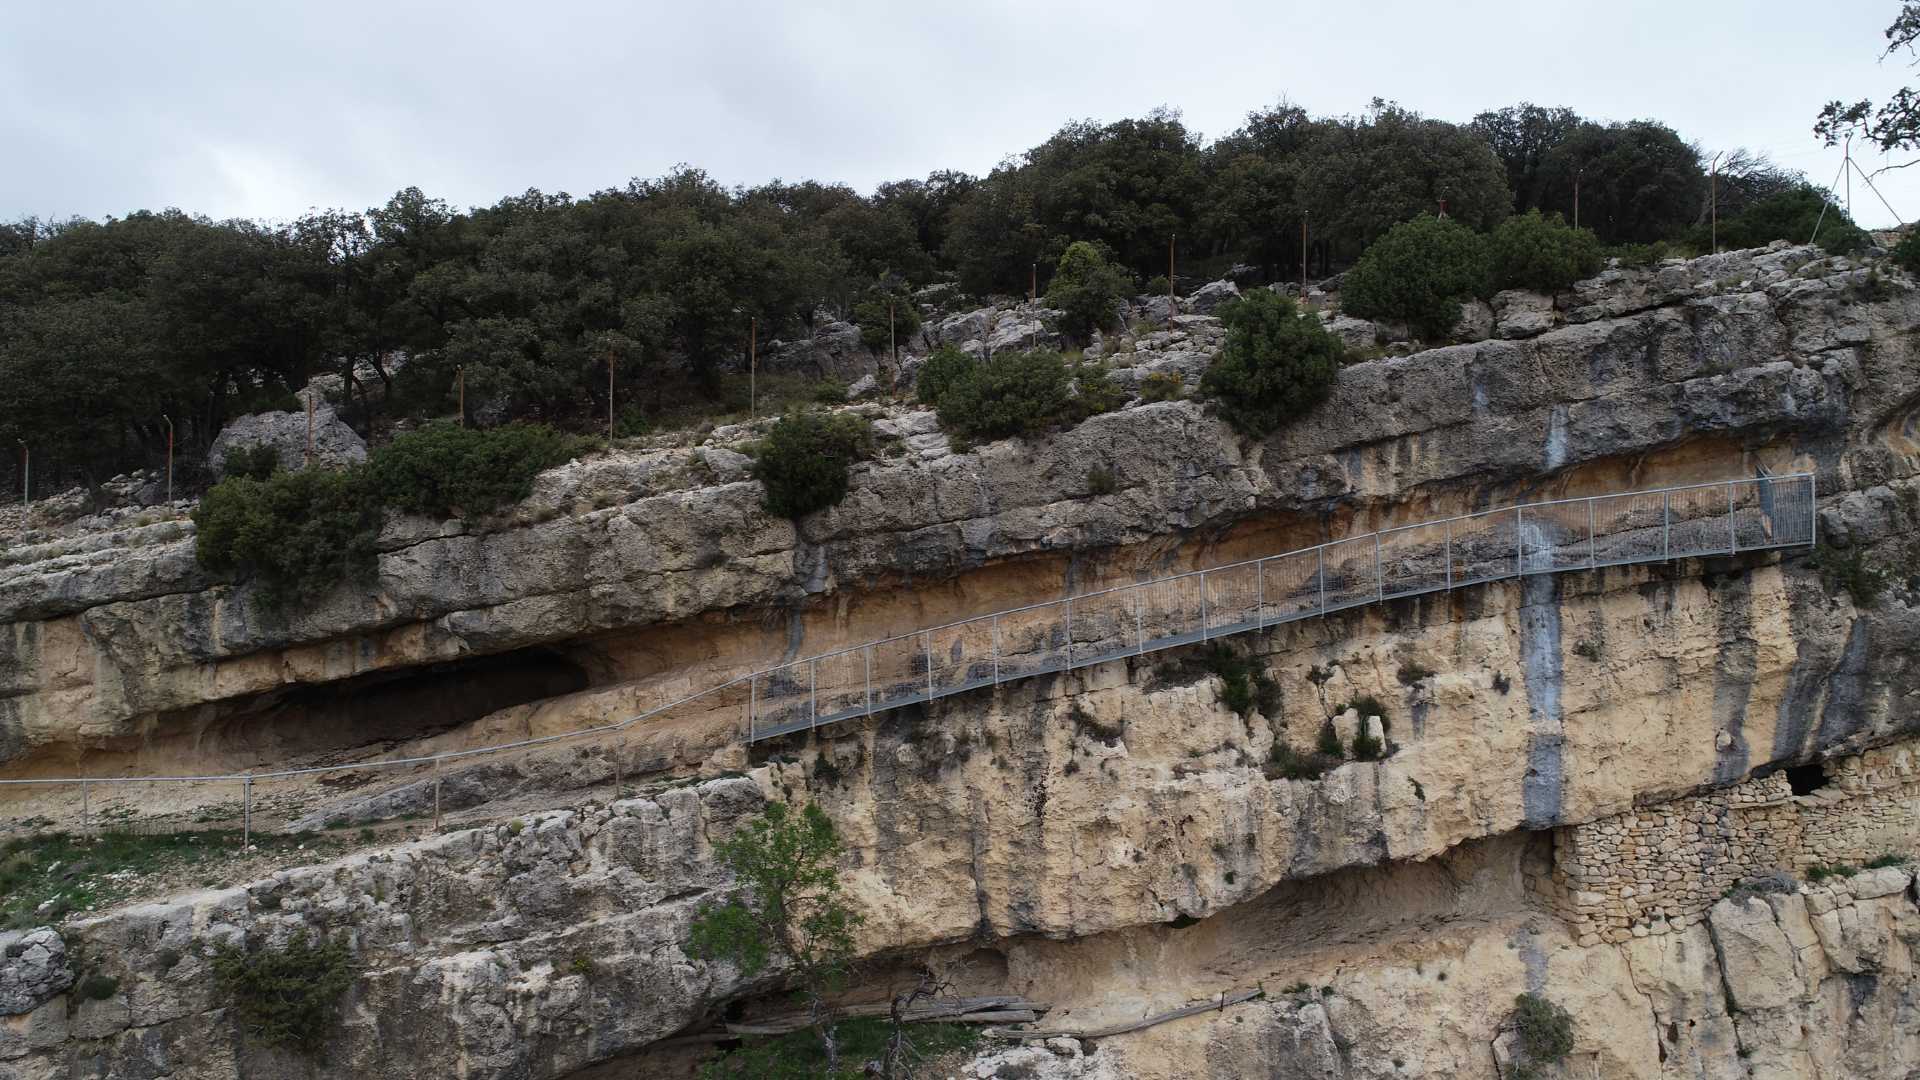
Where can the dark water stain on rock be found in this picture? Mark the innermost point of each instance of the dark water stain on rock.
(1733, 669)
(1544, 785)
(1845, 711)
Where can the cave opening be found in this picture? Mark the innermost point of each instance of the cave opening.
(1806, 779)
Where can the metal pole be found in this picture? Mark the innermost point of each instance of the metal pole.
(309, 457)
(753, 368)
(1593, 557)
(996, 650)
(1303, 257)
(1666, 526)
(1813, 509)
(1379, 575)
(1448, 549)
(929, 636)
(1260, 594)
(1519, 556)
(868, 653)
(26, 473)
(1320, 557)
(1203, 606)
(86, 808)
(753, 687)
(1069, 629)
(1733, 537)
(246, 812)
(1139, 623)
(609, 396)
(813, 694)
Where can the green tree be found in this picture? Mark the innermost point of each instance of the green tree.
(944, 369)
(445, 470)
(1011, 394)
(1789, 215)
(1895, 123)
(1275, 365)
(296, 536)
(786, 908)
(1639, 182)
(886, 314)
(1088, 290)
(1523, 136)
(1541, 252)
(1419, 272)
(802, 463)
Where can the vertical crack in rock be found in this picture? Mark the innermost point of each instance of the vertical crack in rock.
(1733, 670)
(1543, 786)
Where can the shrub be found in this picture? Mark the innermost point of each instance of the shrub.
(1881, 862)
(1419, 272)
(287, 997)
(1369, 705)
(871, 316)
(1286, 763)
(1329, 741)
(1094, 391)
(1542, 253)
(1412, 672)
(803, 461)
(1906, 253)
(1163, 386)
(1245, 685)
(944, 369)
(295, 535)
(98, 987)
(256, 462)
(447, 470)
(1367, 748)
(1545, 1033)
(1822, 873)
(1789, 215)
(1088, 290)
(1275, 365)
(1157, 285)
(830, 392)
(1012, 394)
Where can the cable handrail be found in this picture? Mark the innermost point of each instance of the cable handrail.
(1797, 526)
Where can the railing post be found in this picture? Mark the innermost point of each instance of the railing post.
(246, 811)
(867, 653)
(1449, 553)
(813, 693)
(1593, 549)
(1320, 560)
(1813, 509)
(1203, 605)
(1139, 623)
(996, 650)
(929, 637)
(753, 703)
(86, 808)
(1519, 542)
(1733, 535)
(1666, 526)
(1260, 594)
(1068, 666)
(1379, 572)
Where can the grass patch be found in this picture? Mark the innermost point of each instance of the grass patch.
(94, 871)
(1884, 861)
(1837, 870)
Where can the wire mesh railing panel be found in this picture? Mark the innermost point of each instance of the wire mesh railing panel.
(1629, 528)
(1104, 625)
(1233, 595)
(963, 655)
(899, 670)
(1352, 571)
(1555, 536)
(1170, 611)
(1033, 640)
(1770, 513)
(840, 686)
(1414, 560)
(1698, 521)
(783, 699)
(1485, 547)
(1292, 585)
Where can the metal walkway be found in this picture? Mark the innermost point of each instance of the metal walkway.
(1092, 628)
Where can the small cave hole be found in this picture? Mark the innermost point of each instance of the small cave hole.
(1806, 779)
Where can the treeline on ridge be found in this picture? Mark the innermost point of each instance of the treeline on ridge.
(108, 327)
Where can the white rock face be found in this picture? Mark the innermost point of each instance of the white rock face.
(334, 443)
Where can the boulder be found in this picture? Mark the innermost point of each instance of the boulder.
(33, 970)
(1521, 314)
(334, 443)
(1353, 333)
(1476, 322)
(1212, 295)
(832, 350)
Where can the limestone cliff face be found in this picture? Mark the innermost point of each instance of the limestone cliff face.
(1115, 841)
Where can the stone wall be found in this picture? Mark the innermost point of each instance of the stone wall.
(1656, 869)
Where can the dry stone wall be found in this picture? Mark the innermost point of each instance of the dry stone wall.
(1657, 869)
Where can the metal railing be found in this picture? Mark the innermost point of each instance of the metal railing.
(1718, 518)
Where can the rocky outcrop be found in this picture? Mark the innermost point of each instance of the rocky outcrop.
(333, 442)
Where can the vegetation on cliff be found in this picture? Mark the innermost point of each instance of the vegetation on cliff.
(1275, 365)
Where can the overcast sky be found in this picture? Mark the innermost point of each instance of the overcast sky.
(266, 109)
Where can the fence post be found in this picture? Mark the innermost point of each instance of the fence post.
(1733, 536)
(1139, 623)
(1449, 553)
(1320, 559)
(996, 650)
(86, 808)
(1203, 605)
(1813, 509)
(1379, 573)
(436, 794)
(1593, 549)
(1519, 543)
(1260, 595)
(246, 812)
(868, 654)
(1666, 526)
(813, 693)
(753, 687)
(929, 637)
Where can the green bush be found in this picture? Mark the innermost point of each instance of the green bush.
(1419, 272)
(946, 367)
(1094, 391)
(1906, 253)
(1275, 365)
(803, 461)
(287, 997)
(1163, 386)
(1329, 741)
(295, 535)
(452, 471)
(256, 462)
(1157, 285)
(870, 315)
(1015, 393)
(1088, 290)
(1545, 1033)
(98, 987)
(1367, 748)
(1790, 215)
(1244, 683)
(1286, 763)
(1542, 253)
